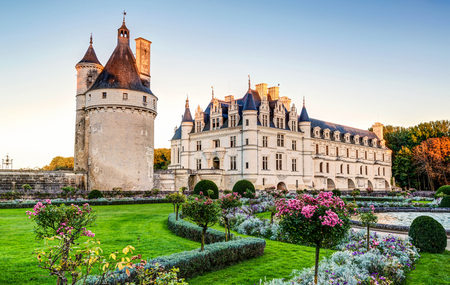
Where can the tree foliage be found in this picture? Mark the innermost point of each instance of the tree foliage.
(60, 163)
(161, 158)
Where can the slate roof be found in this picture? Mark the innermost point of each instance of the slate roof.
(341, 128)
(120, 71)
(304, 116)
(249, 102)
(187, 115)
(90, 56)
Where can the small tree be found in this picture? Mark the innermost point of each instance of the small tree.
(321, 220)
(202, 211)
(228, 203)
(177, 199)
(26, 187)
(63, 225)
(368, 219)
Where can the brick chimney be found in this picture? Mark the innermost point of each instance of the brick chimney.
(262, 90)
(143, 59)
(274, 92)
(378, 130)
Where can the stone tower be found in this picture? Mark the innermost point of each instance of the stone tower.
(115, 117)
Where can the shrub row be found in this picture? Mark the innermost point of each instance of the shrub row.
(193, 232)
(389, 227)
(98, 202)
(375, 199)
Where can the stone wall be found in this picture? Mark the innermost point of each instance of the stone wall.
(42, 181)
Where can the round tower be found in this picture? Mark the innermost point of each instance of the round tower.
(88, 69)
(121, 111)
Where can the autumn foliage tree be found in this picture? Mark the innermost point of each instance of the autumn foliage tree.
(432, 157)
(60, 163)
(161, 158)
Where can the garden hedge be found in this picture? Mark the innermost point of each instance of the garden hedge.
(428, 235)
(95, 194)
(98, 202)
(445, 202)
(443, 189)
(193, 232)
(205, 185)
(242, 187)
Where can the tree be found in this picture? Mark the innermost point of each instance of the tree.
(321, 220)
(368, 219)
(228, 203)
(432, 157)
(204, 212)
(161, 158)
(60, 163)
(403, 168)
(177, 199)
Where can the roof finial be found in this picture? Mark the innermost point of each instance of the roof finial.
(124, 14)
(187, 102)
(303, 101)
(249, 83)
(212, 92)
(90, 41)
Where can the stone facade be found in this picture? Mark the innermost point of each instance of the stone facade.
(260, 137)
(40, 181)
(114, 133)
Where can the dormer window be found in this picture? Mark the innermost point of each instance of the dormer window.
(144, 99)
(317, 132)
(326, 133)
(347, 138)
(125, 96)
(356, 138)
(366, 141)
(104, 95)
(337, 136)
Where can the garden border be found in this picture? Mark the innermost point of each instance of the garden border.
(389, 227)
(98, 202)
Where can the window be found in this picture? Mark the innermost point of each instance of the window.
(321, 167)
(233, 121)
(233, 162)
(366, 170)
(384, 172)
(265, 139)
(280, 140)
(294, 164)
(365, 155)
(326, 150)
(104, 95)
(317, 149)
(199, 164)
(383, 156)
(357, 155)
(337, 151)
(265, 163)
(199, 145)
(348, 168)
(264, 181)
(265, 121)
(247, 122)
(378, 172)
(294, 145)
(296, 183)
(342, 169)
(279, 161)
(216, 143)
(246, 165)
(144, 99)
(360, 170)
(328, 167)
(246, 141)
(125, 96)
(374, 156)
(198, 127)
(89, 98)
(233, 141)
(348, 152)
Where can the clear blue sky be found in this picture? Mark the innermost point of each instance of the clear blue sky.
(356, 62)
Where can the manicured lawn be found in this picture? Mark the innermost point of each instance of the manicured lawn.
(144, 227)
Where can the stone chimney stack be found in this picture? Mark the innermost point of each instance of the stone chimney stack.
(262, 90)
(143, 59)
(229, 98)
(378, 130)
(274, 92)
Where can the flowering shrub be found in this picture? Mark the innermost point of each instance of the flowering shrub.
(321, 220)
(387, 262)
(61, 226)
(203, 211)
(228, 203)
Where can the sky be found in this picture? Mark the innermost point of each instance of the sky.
(355, 62)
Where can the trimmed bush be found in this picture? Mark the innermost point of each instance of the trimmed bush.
(244, 188)
(337, 192)
(95, 194)
(193, 232)
(428, 235)
(205, 185)
(445, 202)
(443, 189)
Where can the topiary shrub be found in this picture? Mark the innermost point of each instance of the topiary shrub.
(336, 192)
(428, 235)
(244, 188)
(445, 202)
(445, 189)
(205, 185)
(95, 194)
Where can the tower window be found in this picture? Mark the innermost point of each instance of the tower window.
(246, 165)
(246, 122)
(104, 95)
(246, 141)
(125, 96)
(144, 99)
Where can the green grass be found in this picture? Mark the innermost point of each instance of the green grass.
(431, 269)
(422, 202)
(145, 227)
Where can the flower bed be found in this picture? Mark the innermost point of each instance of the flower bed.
(387, 262)
(96, 202)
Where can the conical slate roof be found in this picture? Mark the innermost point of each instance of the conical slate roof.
(304, 115)
(90, 56)
(249, 102)
(187, 117)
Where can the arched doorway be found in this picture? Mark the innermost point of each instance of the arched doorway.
(350, 184)
(281, 186)
(369, 185)
(216, 163)
(386, 185)
(330, 184)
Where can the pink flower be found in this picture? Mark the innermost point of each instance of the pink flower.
(88, 233)
(48, 201)
(330, 219)
(308, 211)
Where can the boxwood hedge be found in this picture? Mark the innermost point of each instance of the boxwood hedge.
(193, 232)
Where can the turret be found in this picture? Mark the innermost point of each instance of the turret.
(88, 68)
(304, 123)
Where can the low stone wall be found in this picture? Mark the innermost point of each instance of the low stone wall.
(40, 181)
